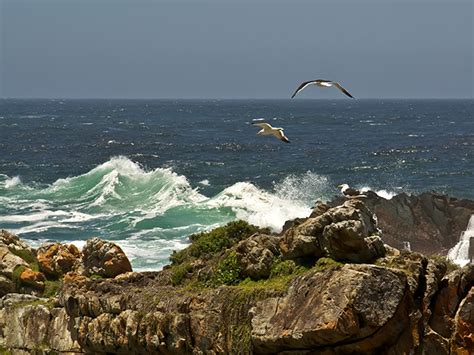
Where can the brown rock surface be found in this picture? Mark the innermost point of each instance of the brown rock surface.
(32, 278)
(335, 307)
(452, 290)
(255, 255)
(463, 335)
(103, 258)
(14, 254)
(432, 223)
(57, 259)
(346, 232)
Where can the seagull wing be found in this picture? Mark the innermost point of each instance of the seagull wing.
(302, 87)
(262, 125)
(281, 136)
(342, 89)
(351, 192)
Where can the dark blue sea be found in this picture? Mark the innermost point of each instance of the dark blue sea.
(147, 173)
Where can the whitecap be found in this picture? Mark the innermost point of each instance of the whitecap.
(258, 207)
(388, 195)
(204, 182)
(12, 182)
(39, 227)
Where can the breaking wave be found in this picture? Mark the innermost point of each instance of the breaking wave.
(148, 213)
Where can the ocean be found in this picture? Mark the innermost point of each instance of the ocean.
(148, 173)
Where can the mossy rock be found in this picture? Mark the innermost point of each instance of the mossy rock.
(205, 245)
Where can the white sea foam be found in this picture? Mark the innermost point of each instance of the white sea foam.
(459, 254)
(40, 227)
(204, 182)
(259, 207)
(35, 217)
(12, 182)
(388, 195)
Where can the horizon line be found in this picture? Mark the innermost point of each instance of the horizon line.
(236, 99)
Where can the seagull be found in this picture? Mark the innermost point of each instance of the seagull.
(267, 129)
(321, 83)
(350, 192)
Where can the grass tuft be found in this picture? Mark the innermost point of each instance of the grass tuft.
(206, 244)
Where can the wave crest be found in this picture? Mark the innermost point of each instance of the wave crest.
(122, 201)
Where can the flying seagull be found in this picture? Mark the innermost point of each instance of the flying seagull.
(321, 83)
(267, 130)
(350, 192)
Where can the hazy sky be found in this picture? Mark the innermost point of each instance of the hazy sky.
(235, 49)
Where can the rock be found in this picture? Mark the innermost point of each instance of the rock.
(431, 222)
(346, 233)
(339, 306)
(57, 259)
(32, 278)
(13, 253)
(463, 337)
(16, 245)
(6, 285)
(103, 258)
(452, 290)
(255, 255)
(349, 241)
(27, 323)
(319, 209)
(433, 343)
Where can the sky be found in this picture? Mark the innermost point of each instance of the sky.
(235, 49)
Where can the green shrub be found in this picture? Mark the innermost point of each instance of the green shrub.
(24, 254)
(285, 268)
(51, 288)
(326, 263)
(17, 271)
(179, 273)
(205, 244)
(27, 256)
(228, 271)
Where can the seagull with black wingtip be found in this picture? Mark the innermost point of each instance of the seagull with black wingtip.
(267, 129)
(323, 84)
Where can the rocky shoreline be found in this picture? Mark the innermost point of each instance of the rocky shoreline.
(337, 282)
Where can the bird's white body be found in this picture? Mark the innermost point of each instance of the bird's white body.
(350, 192)
(268, 130)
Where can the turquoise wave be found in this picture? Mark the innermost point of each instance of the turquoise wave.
(148, 213)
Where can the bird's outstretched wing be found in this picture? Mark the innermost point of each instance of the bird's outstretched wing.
(262, 125)
(342, 89)
(302, 87)
(282, 137)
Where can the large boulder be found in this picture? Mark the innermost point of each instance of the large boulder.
(28, 323)
(430, 222)
(347, 232)
(103, 258)
(256, 254)
(14, 255)
(34, 279)
(57, 259)
(463, 336)
(453, 289)
(333, 308)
